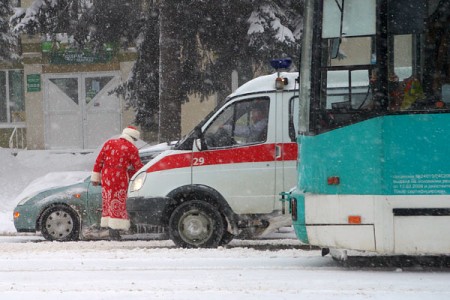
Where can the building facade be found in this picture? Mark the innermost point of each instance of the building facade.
(57, 98)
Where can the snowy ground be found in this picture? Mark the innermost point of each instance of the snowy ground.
(243, 270)
(281, 268)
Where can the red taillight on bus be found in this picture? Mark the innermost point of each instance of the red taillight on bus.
(294, 209)
(354, 219)
(333, 180)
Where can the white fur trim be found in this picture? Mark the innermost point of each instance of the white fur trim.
(128, 138)
(96, 176)
(115, 223)
(131, 132)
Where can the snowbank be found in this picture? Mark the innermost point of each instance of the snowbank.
(21, 170)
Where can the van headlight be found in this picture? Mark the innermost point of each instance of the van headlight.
(138, 182)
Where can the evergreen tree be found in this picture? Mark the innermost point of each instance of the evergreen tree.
(275, 29)
(180, 62)
(202, 42)
(223, 34)
(141, 90)
(184, 46)
(8, 41)
(169, 69)
(245, 35)
(114, 22)
(48, 17)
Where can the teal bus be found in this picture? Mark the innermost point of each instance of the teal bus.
(374, 127)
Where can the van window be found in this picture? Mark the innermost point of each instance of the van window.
(294, 108)
(241, 123)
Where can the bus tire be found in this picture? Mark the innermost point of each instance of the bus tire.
(196, 224)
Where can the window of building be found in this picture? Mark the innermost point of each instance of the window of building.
(12, 104)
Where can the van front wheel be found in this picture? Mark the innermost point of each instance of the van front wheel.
(196, 224)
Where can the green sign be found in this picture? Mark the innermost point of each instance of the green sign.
(73, 57)
(62, 54)
(34, 83)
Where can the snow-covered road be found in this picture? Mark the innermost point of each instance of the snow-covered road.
(31, 268)
(274, 269)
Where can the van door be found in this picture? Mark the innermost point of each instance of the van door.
(240, 158)
(286, 145)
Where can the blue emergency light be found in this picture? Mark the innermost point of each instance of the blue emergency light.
(281, 63)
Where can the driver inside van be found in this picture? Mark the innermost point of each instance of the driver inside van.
(257, 130)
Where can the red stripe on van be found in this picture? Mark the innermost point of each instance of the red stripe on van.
(256, 153)
(290, 151)
(175, 161)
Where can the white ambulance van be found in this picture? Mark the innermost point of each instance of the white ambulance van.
(223, 179)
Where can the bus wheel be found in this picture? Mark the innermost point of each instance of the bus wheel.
(196, 224)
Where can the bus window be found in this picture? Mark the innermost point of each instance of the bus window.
(344, 18)
(347, 89)
(419, 63)
(345, 81)
(346, 56)
(436, 49)
(412, 74)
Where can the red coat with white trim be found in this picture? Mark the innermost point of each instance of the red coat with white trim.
(116, 163)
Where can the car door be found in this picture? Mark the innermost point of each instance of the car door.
(94, 204)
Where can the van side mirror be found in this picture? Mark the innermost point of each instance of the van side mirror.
(199, 141)
(334, 49)
(199, 145)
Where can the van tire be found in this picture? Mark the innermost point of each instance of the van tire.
(226, 239)
(196, 224)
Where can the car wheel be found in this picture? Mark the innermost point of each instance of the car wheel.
(196, 224)
(60, 223)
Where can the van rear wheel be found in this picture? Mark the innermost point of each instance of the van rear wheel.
(196, 224)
